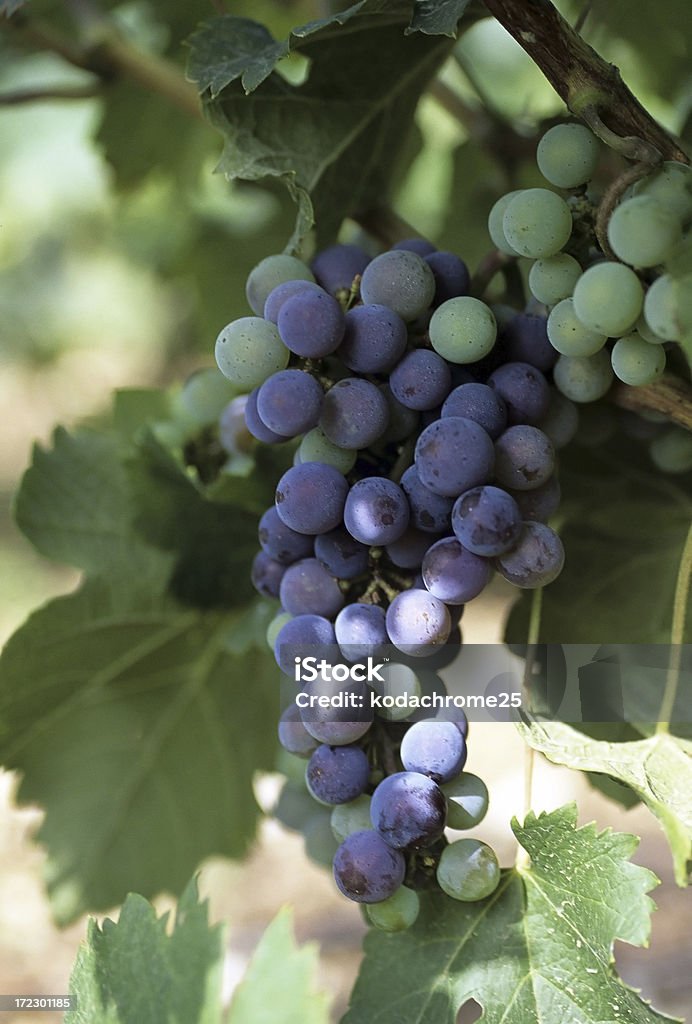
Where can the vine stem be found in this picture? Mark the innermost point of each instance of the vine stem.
(523, 860)
(677, 635)
(671, 396)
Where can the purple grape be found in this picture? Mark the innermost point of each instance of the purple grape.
(257, 428)
(524, 389)
(311, 324)
(354, 413)
(293, 736)
(400, 279)
(541, 503)
(280, 542)
(336, 775)
(366, 869)
(525, 340)
(487, 521)
(536, 560)
(479, 403)
(340, 553)
(289, 402)
(436, 749)
(408, 810)
(361, 631)
(417, 622)
(304, 636)
(376, 511)
(347, 715)
(402, 421)
(430, 512)
(282, 292)
(453, 455)
(453, 574)
(310, 497)
(408, 550)
(374, 340)
(421, 380)
(335, 267)
(308, 589)
(232, 427)
(421, 246)
(524, 458)
(451, 275)
(266, 575)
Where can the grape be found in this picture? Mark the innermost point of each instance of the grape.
(636, 362)
(289, 402)
(567, 333)
(661, 307)
(524, 390)
(536, 560)
(643, 232)
(308, 589)
(320, 844)
(233, 432)
(266, 575)
(295, 807)
(467, 801)
(435, 749)
(310, 498)
(336, 266)
(608, 298)
(400, 685)
(376, 511)
(642, 328)
(255, 425)
(567, 155)
(344, 556)
(451, 275)
(486, 521)
(408, 810)
(453, 574)
(421, 246)
(421, 381)
(316, 447)
(468, 870)
(270, 272)
(280, 542)
(402, 421)
(671, 186)
(293, 736)
(672, 451)
(275, 627)
(281, 293)
(350, 817)
(408, 550)
(354, 413)
(366, 869)
(346, 717)
(479, 403)
(584, 378)
(249, 350)
(495, 223)
(537, 223)
(417, 622)
(554, 278)
(525, 340)
(540, 503)
(463, 329)
(204, 396)
(337, 775)
(561, 421)
(524, 458)
(397, 913)
(453, 455)
(303, 636)
(374, 339)
(311, 324)
(430, 512)
(401, 280)
(360, 631)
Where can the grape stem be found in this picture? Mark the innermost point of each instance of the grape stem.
(677, 636)
(671, 396)
(611, 198)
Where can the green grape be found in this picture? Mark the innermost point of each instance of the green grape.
(644, 331)
(661, 308)
(671, 186)
(467, 800)
(395, 914)
(636, 362)
(351, 817)
(584, 378)
(316, 447)
(537, 223)
(495, 229)
(463, 330)
(468, 870)
(249, 350)
(672, 451)
(295, 807)
(643, 232)
(608, 298)
(567, 155)
(204, 396)
(567, 333)
(554, 278)
(270, 272)
(320, 844)
(400, 685)
(275, 627)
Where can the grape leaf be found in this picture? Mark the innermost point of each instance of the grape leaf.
(133, 971)
(658, 769)
(539, 949)
(137, 725)
(437, 17)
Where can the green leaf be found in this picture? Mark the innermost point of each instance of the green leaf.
(137, 726)
(280, 974)
(134, 971)
(437, 17)
(136, 408)
(658, 769)
(539, 949)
